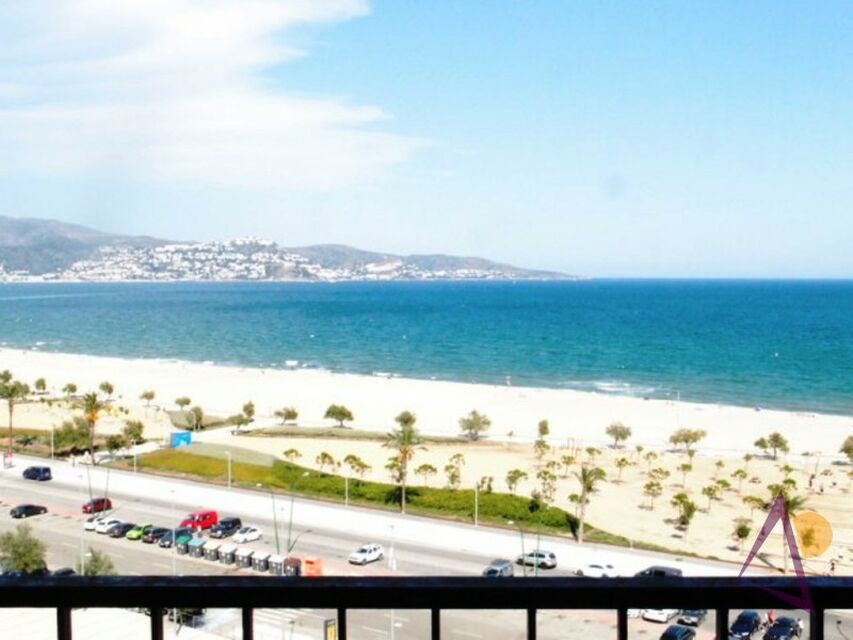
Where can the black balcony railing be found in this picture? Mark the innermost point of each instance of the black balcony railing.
(433, 594)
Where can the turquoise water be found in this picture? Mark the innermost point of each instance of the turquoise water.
(756, 343)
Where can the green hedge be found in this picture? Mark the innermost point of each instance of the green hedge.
(494, 508)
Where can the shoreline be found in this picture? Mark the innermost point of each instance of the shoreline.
(515, 411)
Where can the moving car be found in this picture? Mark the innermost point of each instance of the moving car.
(106, 524)
(226, 527)
(153, 535)
(366, 553)
(659, 615)
(138, 531)
(677, 632)
(598, 571)
(120, 530)
(784, 628)
(745, 625)
(247, 534)
(27, 510)
(658, 571)
(42, 474)
(499, 568)
(181, 534)
(692, 617)
(542, 559)
(201, 519)
(96, 505)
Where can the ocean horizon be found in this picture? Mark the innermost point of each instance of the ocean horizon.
(780, 344)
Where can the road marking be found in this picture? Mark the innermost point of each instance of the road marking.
(468, 634)
(68, 544)
(162, 565)
(396, 617)
(382, 631)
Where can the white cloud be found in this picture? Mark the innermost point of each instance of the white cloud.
(171, 90)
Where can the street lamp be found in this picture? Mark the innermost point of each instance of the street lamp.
(392, 561)
(228, 453)
(476, 504)
(520, 533)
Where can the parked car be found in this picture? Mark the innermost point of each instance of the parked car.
(659, 572)
(784, 628)
(598, 571)
(677, 632)
(542, 559)
(64, 571)
(499, 568)
(200, 520)
(181, 534)
(93, 522)
(747, 623)
(366, 553)
(27, 510)
(41, 572)
(96, 505)
(153, 535)
(120, 530)
(42, 474)
(659, 615)
(247, 534)
(138, 531)
(692, 617)
(226, 527)
(106, 524)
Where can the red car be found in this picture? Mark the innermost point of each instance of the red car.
(201, 520)
(96, 505)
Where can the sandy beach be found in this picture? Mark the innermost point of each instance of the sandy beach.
(577, 420)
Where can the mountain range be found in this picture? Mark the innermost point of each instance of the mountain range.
(40, 249)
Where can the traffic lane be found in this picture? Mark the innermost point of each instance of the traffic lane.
(410, 559)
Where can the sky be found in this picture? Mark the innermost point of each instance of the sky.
(611, 139)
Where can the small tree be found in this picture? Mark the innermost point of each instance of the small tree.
(753, 502)
(718, 466)
(454, 475)
(592, 453)
(685, 469)
(40, 385)
(249, 412)
(133, 430)
(147, 396)
(650, 457)
(847, 448)
(687, 437)
(777, 442)
(741, 531)
(339, 413)
(543, 428)
(107, 389)
(621, 463)
(92, 407)
(96, 563)
(653, 489)
(114, 443)
(762, 444)
(20, 550)
(287, 414)
(426, 471)
(567, 461)
(540, 450)
(13, 392)
(588, 477)
(711, 492)
(787, 470)
(740, 475)
(292, 454)
(547, 484)
(195, 418)
(619, 432)
(324, 459)
(404, 441)
(183, 402)
(746, 459)
(474, 424)
(659, 473)
(513, 477)
(69, 390)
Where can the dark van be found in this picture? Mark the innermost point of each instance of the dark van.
(42, 474)
(659, 572)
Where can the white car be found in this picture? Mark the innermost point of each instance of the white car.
(366, 553)
(92, 523)
(105, 523)
(598, 571)
(247, 534)
(659, 615)
(542, 559)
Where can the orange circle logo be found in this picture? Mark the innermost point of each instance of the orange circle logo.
(814, 533)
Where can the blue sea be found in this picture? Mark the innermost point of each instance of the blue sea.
(773, 344)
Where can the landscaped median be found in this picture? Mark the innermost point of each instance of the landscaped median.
(493, 508)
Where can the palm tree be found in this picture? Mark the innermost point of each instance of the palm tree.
(12, 391)
(92, 407)
(69, 390)
(621, 463)
(740, 475)
(107, 388)
(404, 441)
(793, 506)
(588, 478)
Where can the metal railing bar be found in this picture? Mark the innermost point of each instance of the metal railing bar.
(816, 622)
(248, 619)
(531, 624)
(435, 624)
(342, 624)
(63, 623)
(622, 623)
(157, 623)
(721, 622)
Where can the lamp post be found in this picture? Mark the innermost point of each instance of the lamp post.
(174, 537)
(476, 504)
(290, 545)
(228, 453)
(82, 530)
(392, 561)
(520, 533)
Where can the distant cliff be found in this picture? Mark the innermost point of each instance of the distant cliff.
(48, 250)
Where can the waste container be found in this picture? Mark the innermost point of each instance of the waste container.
(182, 547)
(293, 567)
(196, 547)
(244, 558)
(226, 553)
(276, 564)
(211, 550)
(260, 561)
